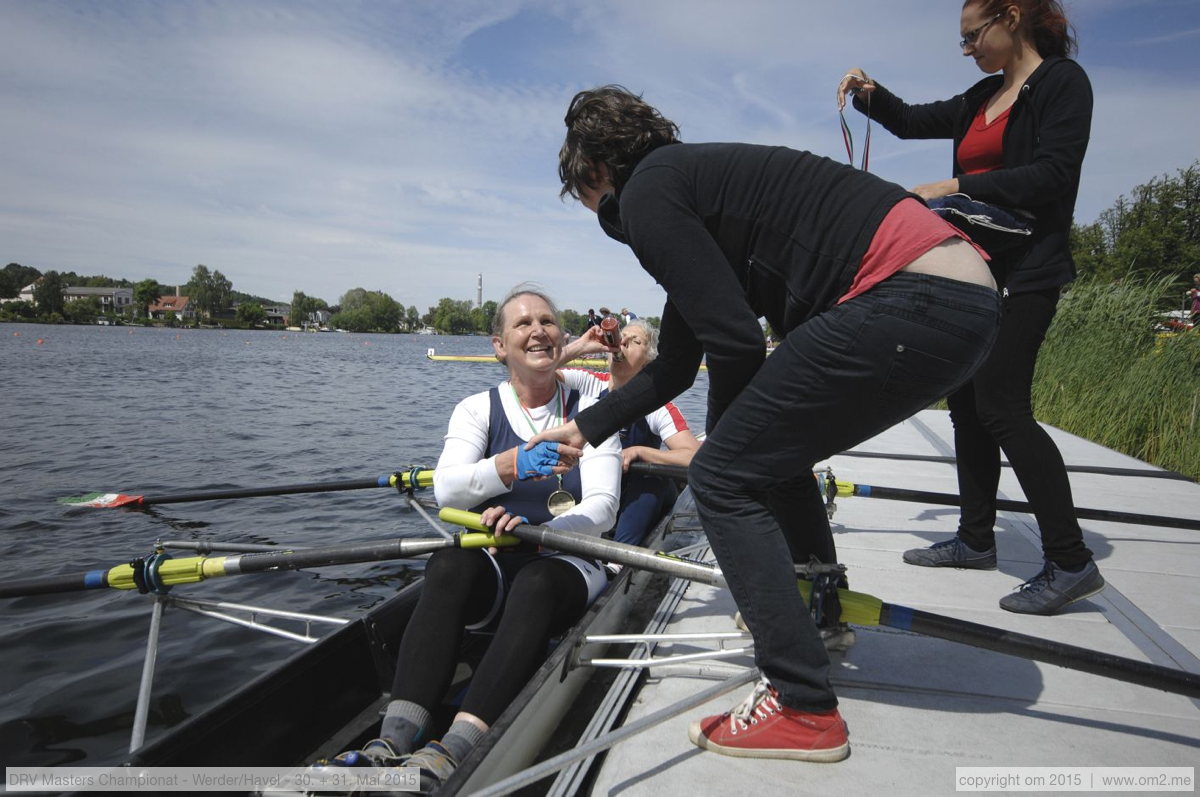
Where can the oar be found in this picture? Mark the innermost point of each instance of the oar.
(862, 609)
(845, 489)
(424, 478)
(159, 572)
(1099, 469)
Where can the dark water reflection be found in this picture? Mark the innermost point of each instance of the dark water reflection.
(157, 411)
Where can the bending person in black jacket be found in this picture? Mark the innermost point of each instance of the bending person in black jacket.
(884, 307)
(1019, 140)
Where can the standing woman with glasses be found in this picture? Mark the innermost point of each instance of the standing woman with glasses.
(1019, 141)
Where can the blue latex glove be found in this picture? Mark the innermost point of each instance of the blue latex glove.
(537, 461)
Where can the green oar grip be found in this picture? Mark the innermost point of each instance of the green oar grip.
(470, 520)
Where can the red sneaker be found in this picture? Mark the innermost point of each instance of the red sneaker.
(763, 728)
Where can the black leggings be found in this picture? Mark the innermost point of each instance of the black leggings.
(994, 411)
(545, 598)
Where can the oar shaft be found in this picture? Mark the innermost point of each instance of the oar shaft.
(1043, 650)
(192, 569)
(1098, 469)
(868, 610)
(677, 472)
(949, 499)
(596, 548)
(424, 479)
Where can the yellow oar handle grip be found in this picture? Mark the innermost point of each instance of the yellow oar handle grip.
(845, 488)
(424, 478)
(189, 570)
(857, 607)
(461, 517)
(470, 520)
(479, 540)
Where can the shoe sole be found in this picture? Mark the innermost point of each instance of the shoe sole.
(958, 565)
(1058, 609)
(828, 755)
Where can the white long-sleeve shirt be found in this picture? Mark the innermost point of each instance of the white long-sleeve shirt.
(465, 477)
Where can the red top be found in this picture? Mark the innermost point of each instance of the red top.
(982, 148)
(908, 231)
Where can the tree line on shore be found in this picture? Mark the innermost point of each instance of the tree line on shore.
(1152, 233)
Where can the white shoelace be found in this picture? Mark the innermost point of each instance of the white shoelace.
(761, 704)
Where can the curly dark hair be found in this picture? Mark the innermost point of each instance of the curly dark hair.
(609, 125)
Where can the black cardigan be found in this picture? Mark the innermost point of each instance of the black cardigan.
(734, 232)
(1044, 143)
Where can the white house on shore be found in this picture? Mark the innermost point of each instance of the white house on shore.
(179, 305)
(112, 300)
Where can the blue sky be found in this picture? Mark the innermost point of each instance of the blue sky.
(322, 145)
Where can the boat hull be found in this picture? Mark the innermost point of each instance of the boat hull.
(329, 696)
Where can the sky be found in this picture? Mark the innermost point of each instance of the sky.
(408, 146)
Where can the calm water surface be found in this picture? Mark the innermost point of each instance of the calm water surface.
(160, 411)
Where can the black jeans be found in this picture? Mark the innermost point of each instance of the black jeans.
(994, 411)
(835, 381)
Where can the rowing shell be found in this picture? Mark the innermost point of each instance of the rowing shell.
(328, 697)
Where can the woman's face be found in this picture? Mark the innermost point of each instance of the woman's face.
(530, 340)
(634, 350)
(989, 40)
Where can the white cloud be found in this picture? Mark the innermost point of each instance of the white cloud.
(407, 146)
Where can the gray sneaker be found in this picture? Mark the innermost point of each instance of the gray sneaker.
(1054, 588)
(952, 553)
(375, 753)
(436, 765)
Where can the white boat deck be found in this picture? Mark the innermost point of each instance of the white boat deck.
(918, 707)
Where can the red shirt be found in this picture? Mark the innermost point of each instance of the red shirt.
(908, 231)
(982, 148)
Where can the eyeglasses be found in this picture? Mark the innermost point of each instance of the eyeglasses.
(972, 36)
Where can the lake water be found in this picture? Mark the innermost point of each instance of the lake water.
(161, 411)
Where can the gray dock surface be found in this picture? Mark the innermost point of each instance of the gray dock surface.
(918, 707)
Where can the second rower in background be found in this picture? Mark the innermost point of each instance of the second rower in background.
(644, 499)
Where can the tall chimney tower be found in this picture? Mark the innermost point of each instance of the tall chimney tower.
(479, 291)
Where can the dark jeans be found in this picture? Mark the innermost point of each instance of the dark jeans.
(840, 378)
(994, 411)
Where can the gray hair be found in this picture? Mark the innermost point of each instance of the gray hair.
(524, 289)
(649, 333)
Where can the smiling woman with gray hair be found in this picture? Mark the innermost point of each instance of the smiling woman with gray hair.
(526, 595)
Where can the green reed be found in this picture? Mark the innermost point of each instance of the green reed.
(1105, 375)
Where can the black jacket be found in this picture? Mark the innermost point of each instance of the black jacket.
(1044, 143)
(734, 232)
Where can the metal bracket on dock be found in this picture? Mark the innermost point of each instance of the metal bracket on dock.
(827, 485)
(720, 637)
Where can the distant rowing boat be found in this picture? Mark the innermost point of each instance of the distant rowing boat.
(599, 363)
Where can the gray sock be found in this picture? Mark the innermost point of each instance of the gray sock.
(461, 737)
(402, 723)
